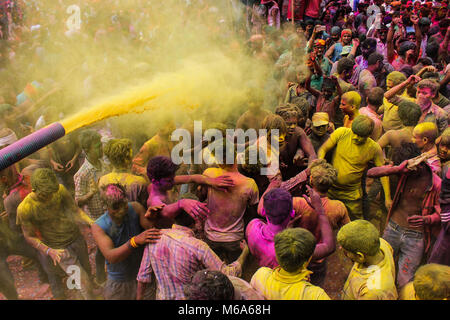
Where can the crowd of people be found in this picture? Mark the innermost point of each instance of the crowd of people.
(359, 95)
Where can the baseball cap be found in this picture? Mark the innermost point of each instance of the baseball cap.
(346, 50)
(320, 119)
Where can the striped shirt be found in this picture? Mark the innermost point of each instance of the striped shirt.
(175, 258)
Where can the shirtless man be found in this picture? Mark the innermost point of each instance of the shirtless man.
(415, 209)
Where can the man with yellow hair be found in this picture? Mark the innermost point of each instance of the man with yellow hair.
(373, 274)
(424, 136)
(350, 103)
(431, 282)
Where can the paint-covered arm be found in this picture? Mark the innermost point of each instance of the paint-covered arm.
(224, 181)
(116, 255)
(307, 146)
(391, 93)
(327, 146)
(327, 245)
(194, 208)
(382, 171)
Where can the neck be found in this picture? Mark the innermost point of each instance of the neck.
(117, 221)
(372, 107)
(121, 169)
(428, 147)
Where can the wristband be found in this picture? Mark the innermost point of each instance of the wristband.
(133, 243)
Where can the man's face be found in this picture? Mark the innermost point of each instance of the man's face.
(335, 37)
(389, 84)
(367, 51)
(291, 123)
(346, 39)
(358, 139)
(346, 107)
(383, 34)
(412, 37)
(319, 50)
(424, 96)
(444, 152)
(166, 184)
(418, 140)
(120, 211)
(352, 256)
(320, 130)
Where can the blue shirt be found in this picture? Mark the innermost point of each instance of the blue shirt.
(127, 269)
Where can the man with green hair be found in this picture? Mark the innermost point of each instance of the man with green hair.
(120, 154)
(391, 119)
(373, 274)
(431, 282)
(50, 222)
(294, 248)
(353, 150)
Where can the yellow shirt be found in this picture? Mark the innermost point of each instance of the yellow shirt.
(407, 292)
(376, 282)
(278, 284)
(350, 161)
(391, 119)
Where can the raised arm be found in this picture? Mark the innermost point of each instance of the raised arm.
(327, 146)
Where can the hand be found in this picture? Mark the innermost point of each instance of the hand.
(152, 211)
(355, 42)
(57, 166)
(414, 19)
(194, 208)
(418, 221)
(148, 236)
(70, 165)
(222, 182)
(3, 216)
(430, 69)
(314, 200)
(403, 167)
(300, 160)
(56, 255)
(413, 79)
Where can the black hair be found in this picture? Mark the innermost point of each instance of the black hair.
(160, 167)
(407, 150)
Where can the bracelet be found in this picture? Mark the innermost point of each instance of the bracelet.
(48, 249)
(133, 243)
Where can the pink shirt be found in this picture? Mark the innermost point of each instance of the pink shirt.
(378, 129)
(260, 237)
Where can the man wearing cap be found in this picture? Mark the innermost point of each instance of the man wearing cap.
(319, 129)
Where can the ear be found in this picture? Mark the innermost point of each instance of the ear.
(361, 257)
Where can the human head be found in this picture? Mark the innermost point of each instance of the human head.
(424, 25)
(114, 197)
(350, 102)
(407, 150)
(362, 127)
(432, 282)
(426, 90)
(345, 68)
(335, 33)
(405, 47)
(320, 123)
(368, 47)
(278, 206)
(90, 141)
(359, 239)
(27, 172)
(346, 37)
(375, 61)
(275, 122)
(119, 152)
(44, 184)
(394, 78)
(290, 115)
(319, 47)
(302, 104)
(375, 97)
(425, 134)
(294, 248)
(409, 113)
(161, 172)
(209, 285)
(7, 137)
(323, 175)
(444, 145)
(328, 87)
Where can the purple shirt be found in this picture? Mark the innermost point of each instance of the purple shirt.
(260, 238)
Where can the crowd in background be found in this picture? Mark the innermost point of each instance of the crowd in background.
(359, 93)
